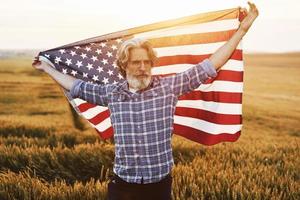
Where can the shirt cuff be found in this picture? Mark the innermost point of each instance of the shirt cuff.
(75, 88)
(209, 68)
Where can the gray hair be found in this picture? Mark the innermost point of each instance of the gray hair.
(123, 54)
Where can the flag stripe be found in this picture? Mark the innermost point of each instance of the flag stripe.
(85, 106)
(195, 19)
(197, 38)
(193, 49)
(104, 125)
(233, 65)
(209, 116)
(216, 107)
(222, 97)
(203, 137)
(205, 126)
(222, 86)
(106, 134)
(192, 59)
(213, 26)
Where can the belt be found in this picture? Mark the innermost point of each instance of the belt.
(119, 180)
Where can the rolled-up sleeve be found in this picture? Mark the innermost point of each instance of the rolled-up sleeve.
(92, 93)
(75, 88)
(192, 78)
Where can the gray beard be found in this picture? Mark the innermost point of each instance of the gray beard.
(137, 83)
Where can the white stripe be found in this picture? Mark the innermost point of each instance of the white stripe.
(216, 107)
(214, 26)
(233, 65)
(92, 112)
(104, 125)
(78, 101)
(205, 126)
(222, 86)
(193, 49)
(89, 113)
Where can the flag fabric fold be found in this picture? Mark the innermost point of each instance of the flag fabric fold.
(209, 115)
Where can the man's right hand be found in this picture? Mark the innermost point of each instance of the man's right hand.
(39, 65)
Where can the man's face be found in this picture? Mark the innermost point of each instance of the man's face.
(138, 70)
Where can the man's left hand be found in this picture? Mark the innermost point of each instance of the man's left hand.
(250, 17)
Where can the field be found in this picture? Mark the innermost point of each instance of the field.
(43, 155)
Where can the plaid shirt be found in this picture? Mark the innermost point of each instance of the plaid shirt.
(143, 121)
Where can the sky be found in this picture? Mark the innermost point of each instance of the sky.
(44, 24)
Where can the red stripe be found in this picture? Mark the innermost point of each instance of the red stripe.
(192, 59)
(108, 133)
(227, 75)
(222, 97)
(223, 75)
(85, 106)
(203, 137)
(100, 117)
(212, 117)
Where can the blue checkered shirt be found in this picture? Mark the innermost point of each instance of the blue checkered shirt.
(143, 121)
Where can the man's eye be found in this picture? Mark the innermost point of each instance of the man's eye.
(147, 62)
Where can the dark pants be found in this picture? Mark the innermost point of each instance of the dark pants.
(118, 189)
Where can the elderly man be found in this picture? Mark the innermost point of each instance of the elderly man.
(142, 110)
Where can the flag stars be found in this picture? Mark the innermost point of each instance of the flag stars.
(103, 44)
(85, 75)
(62, 51)
(115, 65)
(73, 53)
(109, 54)
(57, 60)
(120, 76)
(79, 64)
(94, 58)
(83, 55)
(119, 40)
(69, 62)
(95, 78)
(100, 69)
(104, 61)
(74, 73)
(115, 82)
(114, 47)
(89, 66)
(99, 51)
(77, 47)
(88, 49)
(110, 72)
(105, 80)
(64, 71)
(47, 55)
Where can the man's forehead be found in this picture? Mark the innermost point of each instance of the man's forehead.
(139, 53)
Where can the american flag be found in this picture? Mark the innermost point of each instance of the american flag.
(209, 115)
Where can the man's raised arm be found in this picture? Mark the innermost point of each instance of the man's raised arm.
(220, 57)
(66, 81)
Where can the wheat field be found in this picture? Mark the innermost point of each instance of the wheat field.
(43, 155)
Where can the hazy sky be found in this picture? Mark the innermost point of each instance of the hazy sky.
(50, 23)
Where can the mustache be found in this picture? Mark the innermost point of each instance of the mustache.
(143, 74)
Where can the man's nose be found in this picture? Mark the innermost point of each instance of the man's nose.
(142, 66)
